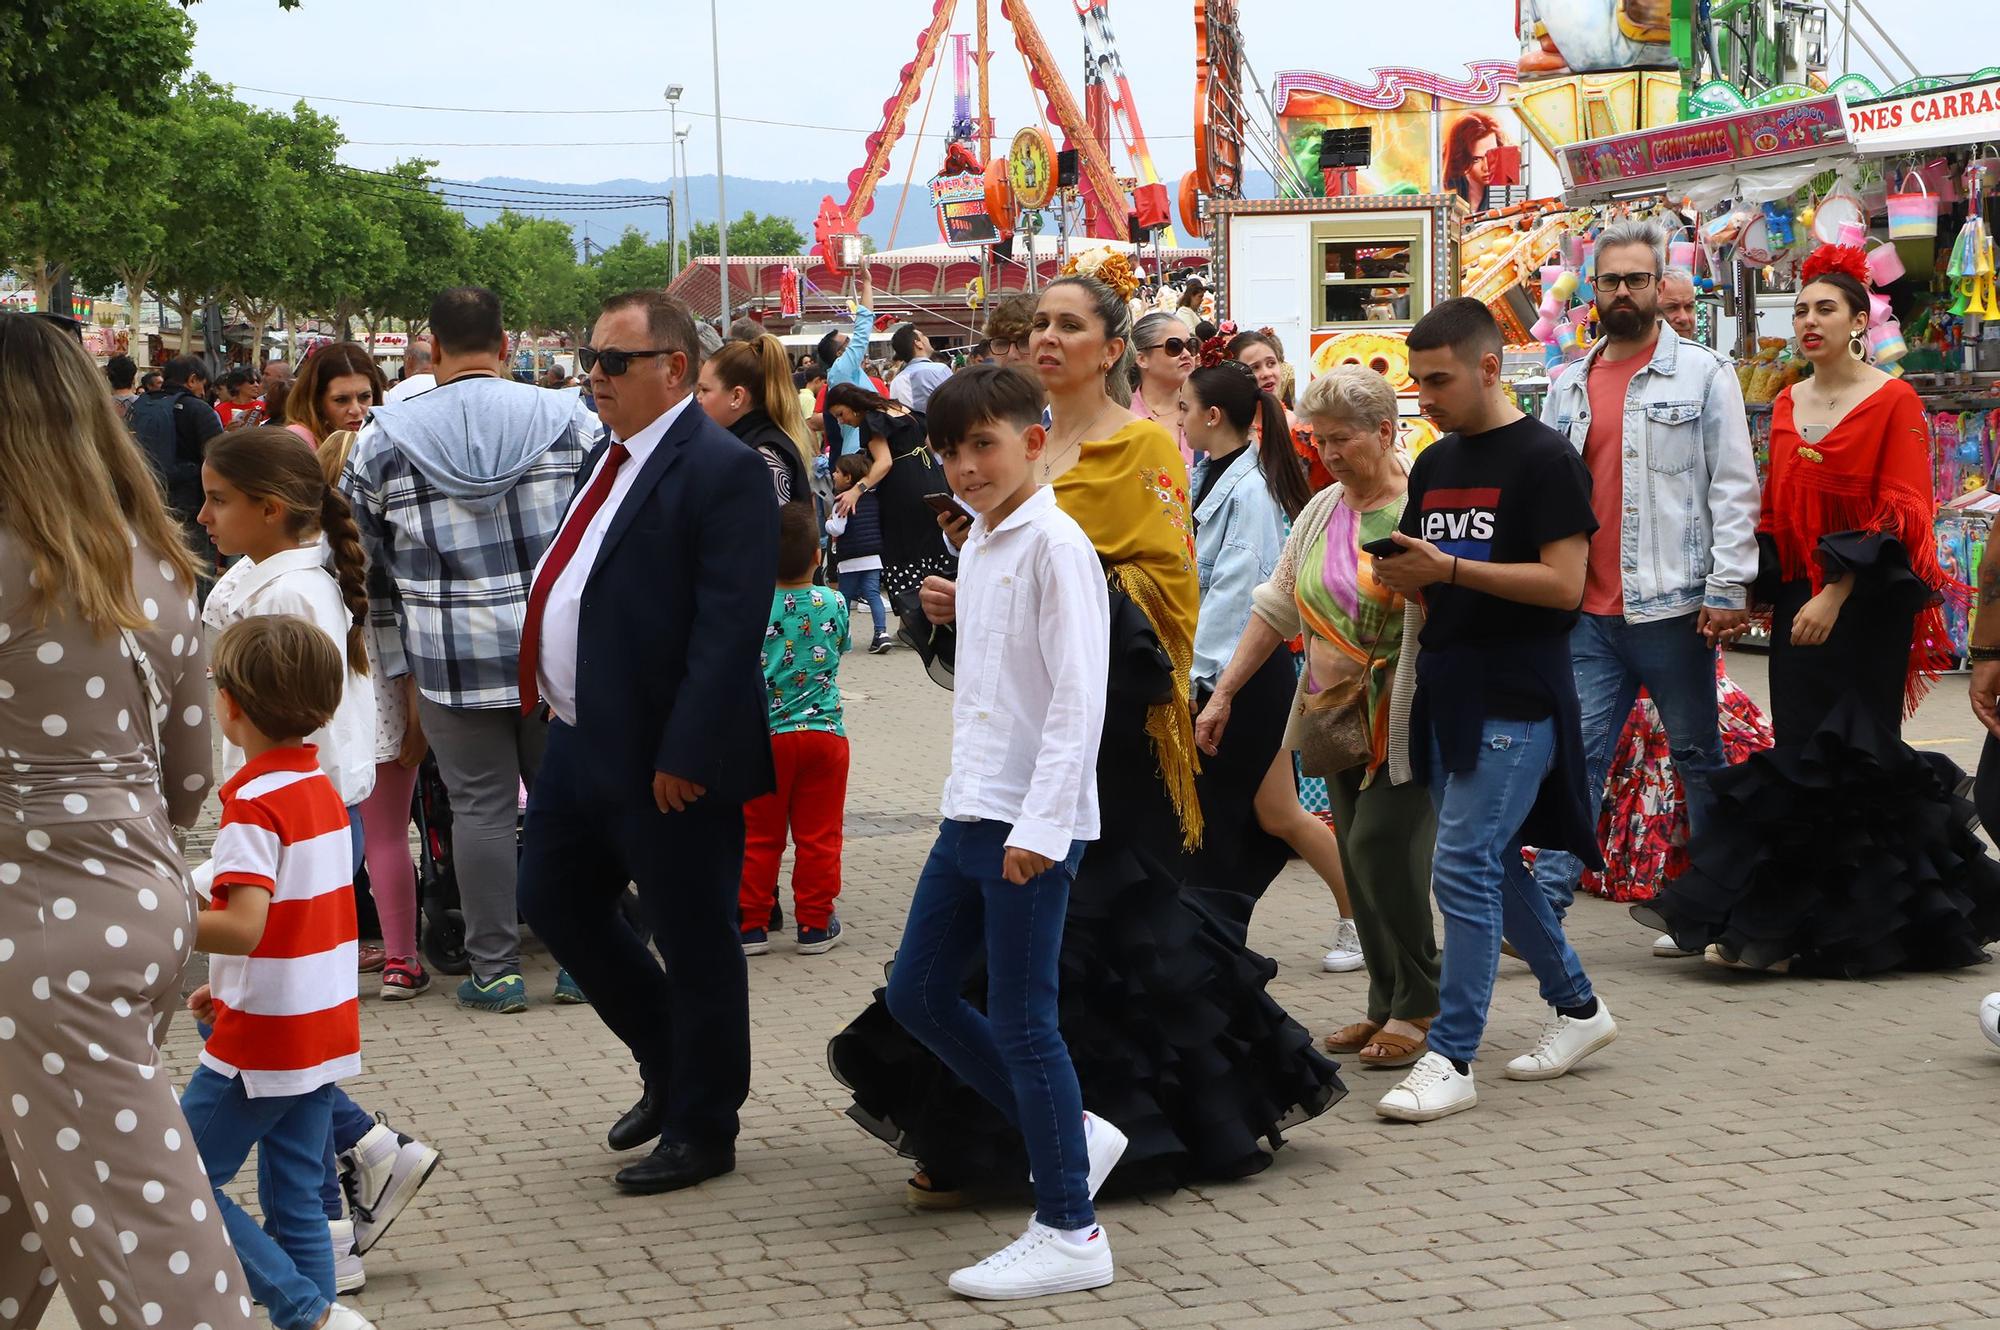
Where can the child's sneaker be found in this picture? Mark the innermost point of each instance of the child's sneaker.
(348, 1276)
(881, 644)
(506, 994)
(756, 941)
(816, 941)
(568, 992)
(381, 1175)
(403, 980)
(1039, 1262)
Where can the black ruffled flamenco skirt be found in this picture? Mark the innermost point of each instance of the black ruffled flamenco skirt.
(1849, 854)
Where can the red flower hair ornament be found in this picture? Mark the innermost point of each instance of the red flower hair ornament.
(1216, 349)
(1849, 260)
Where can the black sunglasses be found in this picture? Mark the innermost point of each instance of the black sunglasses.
(1175, 346)
(614, 362)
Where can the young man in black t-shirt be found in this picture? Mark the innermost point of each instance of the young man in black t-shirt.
(1494, 539)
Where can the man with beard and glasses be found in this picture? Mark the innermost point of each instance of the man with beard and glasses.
(1659, 421)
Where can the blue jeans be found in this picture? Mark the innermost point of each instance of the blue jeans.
(1613, 659)
(867, 585)
(289, 1261)
(1483, 889)
(1013, 1052)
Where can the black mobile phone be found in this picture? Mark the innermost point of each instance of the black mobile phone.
(943, 504)
(1385, 548)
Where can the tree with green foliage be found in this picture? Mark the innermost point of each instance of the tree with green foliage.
(73, 75)
(633, 264)
(751, 234)
(531, 264)
(436, 246)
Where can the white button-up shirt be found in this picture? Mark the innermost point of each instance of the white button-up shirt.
(555, 669)
(1034, 649)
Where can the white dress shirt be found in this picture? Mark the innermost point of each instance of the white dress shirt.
(555, 668)
(1034, 650)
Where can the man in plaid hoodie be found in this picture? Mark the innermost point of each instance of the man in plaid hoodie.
(458, 491)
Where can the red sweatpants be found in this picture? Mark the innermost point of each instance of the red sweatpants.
(811, 799)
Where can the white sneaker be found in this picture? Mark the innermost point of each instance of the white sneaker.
(1106, 1145)
(1039, 1262)
(382, 1174)
(1433, 1089)
(1345, 955)
(348, 1276)
(1664, 946)
(345, 1318)
(1565, 1042)
(1989, 1018)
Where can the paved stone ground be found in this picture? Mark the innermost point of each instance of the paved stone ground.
(1753, 1150)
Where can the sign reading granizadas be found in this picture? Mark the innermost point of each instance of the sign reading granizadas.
(960, 200)
(1762, 136)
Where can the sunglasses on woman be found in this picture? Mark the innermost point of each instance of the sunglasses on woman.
(615, 362)
(1176, 346)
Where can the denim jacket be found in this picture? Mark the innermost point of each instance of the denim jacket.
(1239, 532)
(1688, 519)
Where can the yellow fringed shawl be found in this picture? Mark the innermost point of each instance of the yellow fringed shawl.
(1129, 493)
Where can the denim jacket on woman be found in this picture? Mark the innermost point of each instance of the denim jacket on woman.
(1239, 531)
(1688, 519)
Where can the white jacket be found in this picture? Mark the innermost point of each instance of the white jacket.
(295, 582)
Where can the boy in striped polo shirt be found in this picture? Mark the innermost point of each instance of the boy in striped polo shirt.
(281, 992)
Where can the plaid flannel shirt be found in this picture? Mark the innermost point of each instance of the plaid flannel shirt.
(458, 576)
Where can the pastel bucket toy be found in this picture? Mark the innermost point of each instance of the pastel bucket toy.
(1680, 254)
(1913, 215)
(1885, 265)
(1544, 330)
(1887, 345)
(1852, 234)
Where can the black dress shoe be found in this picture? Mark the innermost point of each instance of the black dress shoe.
(674, 1165)
(640, 1124)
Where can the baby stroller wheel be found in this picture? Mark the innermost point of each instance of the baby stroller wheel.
(444, 942)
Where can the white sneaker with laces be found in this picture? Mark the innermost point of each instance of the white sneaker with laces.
(345, 1318)
(348, 1275)
(1989, 1018)
(1038, 1263)
(1344, 956)
(1664, 946)
(1565, 1042)
(382, 1174)
(1106, 1145)
(1433, 1089)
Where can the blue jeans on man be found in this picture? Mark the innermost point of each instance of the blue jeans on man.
(1613, 659)
(1485, 892)
(867, 585)
(1013, 1052)
(288, 1261)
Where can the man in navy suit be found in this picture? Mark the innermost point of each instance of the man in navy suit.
(643, 638)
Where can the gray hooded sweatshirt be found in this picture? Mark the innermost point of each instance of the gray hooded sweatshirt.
(474, 439)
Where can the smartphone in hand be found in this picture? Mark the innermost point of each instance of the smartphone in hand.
(1385, 548)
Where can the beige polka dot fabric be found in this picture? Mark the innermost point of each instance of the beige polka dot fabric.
(100, 1185)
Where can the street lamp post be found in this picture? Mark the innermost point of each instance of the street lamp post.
(681, 146)
(721, 206)
(674, 91)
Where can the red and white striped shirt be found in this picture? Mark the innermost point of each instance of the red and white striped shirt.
(287, 1018)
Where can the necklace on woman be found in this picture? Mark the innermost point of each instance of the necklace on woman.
(1049, 461)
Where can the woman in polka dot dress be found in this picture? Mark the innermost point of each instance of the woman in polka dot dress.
(102, 1188)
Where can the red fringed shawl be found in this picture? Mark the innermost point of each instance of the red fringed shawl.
(1871, 473)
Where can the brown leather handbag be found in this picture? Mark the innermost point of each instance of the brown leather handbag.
(1337, 735)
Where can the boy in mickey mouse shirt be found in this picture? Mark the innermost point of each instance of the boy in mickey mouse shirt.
(1495, 538)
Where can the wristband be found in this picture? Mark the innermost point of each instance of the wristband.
(1454, 570)
(1982, 653)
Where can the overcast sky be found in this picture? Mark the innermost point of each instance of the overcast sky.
(795, 60)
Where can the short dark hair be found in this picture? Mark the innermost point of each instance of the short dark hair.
(466, 319)
(284, 671)
(983, 393)
(745, 329)
(1204, 330)
(855, 466)
(798, 540)
(1463, 326)
(238, 378)
(176, 372)
(827, 349)
(122, 371)
(904, 343)
(669, 322)
(154, 380)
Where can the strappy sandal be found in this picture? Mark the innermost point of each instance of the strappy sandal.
(1352, 1038)
(1403, 1050)
(925, 1193)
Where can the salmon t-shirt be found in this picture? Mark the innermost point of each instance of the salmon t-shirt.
(1604, 454)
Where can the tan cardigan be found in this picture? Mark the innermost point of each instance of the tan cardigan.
(1276, 603)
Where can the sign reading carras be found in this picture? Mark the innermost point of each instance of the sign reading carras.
(1966, 114)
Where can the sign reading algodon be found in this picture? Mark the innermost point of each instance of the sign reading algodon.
(1756, 137)
(963, 218)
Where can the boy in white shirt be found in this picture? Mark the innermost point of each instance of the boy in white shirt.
(1019, 806)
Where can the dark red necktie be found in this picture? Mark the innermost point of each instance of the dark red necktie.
(560, 554)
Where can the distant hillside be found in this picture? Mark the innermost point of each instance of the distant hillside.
(796, 199)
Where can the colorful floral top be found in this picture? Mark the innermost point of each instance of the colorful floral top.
(802, 647)
(1345, 607)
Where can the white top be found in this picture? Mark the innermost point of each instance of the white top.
(410, 387)
(555, 667)
(919, 379)
(1034, 651)
(295, 582)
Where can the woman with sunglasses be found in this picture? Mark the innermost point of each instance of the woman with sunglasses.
(1166, 357)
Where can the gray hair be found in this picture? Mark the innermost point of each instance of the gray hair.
(1634, 231)
(709, 339)
(1677, 275)
(1155, 328)
(1350, 395)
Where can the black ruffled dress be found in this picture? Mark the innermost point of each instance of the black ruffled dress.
(1163, 1007)
(1842, 849)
